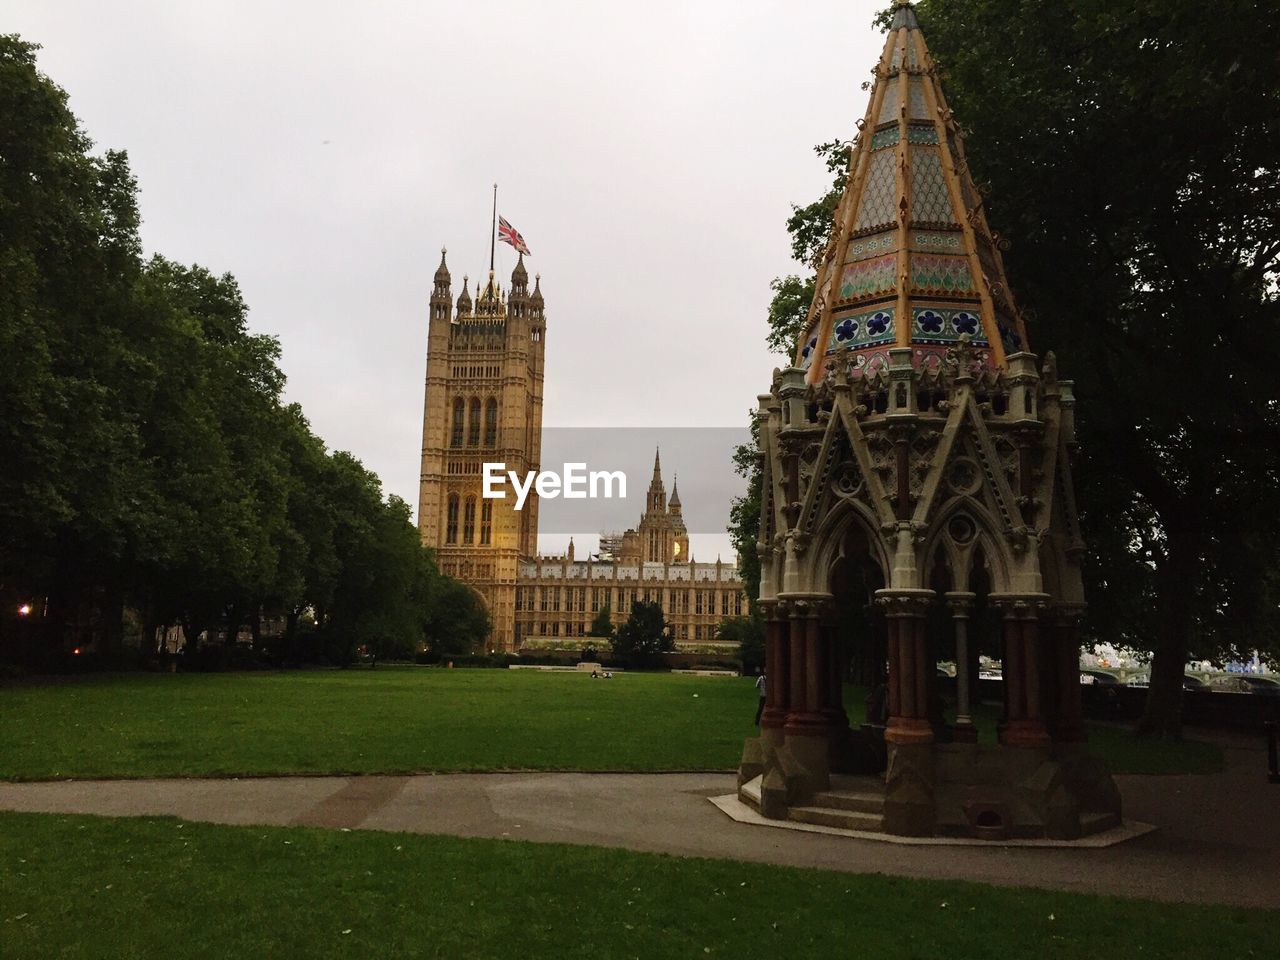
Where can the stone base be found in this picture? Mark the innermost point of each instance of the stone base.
(946, 790)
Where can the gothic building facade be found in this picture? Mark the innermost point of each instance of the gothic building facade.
(483, 403)
(557, 598)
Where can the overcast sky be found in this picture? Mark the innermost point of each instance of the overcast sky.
(323, 153)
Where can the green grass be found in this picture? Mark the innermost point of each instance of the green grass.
(400, 720)
(82, 887)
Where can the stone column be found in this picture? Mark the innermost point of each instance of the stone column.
(776, 668)
(961, 603)
(910, 666)
(1024, 724)
(1066, 647)
(808, 729)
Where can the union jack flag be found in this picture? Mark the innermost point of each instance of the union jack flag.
(509, 234)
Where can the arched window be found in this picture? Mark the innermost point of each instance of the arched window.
(469, 521)
(451, 527)
(459, 412)
(486, 522)
(473, 424)
(491, 423)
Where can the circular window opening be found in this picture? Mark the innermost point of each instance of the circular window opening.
(962, 529)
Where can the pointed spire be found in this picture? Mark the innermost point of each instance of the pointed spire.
(537, 289)
(442, 271)
(657, 464)
(674, 502)
(911, 261)
(519, 276)
(464, 298)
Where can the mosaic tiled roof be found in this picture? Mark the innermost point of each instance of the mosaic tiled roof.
(911, 261)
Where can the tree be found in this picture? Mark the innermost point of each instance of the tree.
(458, 623)
(1129, 154)
(645, 637)
(748, 633)
(602, 623)
(1154, 277)
(146, 457)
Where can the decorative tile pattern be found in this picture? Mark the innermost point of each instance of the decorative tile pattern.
(889, 105)
(1009, 337)
(806, 355)
(874, 246)
(939, 325)
(876, 207)
(915, 95)
(946, 275)
(929, 200)
(937, 243)
(920, 134)
(862, 329)
(887, 137)
(867, 278)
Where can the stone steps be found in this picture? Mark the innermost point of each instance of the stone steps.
(835, 817)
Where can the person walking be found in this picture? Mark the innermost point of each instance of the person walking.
(760, 689)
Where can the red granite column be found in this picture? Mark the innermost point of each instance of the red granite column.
(1027, 729)
(776, 659)
(909, 721)
(1070, 727)
(895, 668)
(797, 668)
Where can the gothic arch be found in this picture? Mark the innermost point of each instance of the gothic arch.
(831, 541)
(960, 557)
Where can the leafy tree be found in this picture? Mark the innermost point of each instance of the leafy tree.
(1129, 152)
(458, 622)
(1154, 277)
(602, 623)
(645, 636)
(146, 457)
(748, 632)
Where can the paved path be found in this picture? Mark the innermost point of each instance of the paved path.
(1218, 842)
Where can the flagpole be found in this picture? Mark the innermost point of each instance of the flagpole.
(493, 234)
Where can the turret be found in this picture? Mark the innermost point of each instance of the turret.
(464, 300)
(441, 296)
(674, 502)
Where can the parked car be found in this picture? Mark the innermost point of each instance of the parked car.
(1098, 676)
(1193, 683)
(1245, 683)
(1139, 680)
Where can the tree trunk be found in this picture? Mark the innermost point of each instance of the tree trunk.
(1175, 625)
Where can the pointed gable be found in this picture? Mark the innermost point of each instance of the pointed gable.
(911, 261)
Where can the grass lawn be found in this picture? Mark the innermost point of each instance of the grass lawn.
(95, 887)
(405, 719)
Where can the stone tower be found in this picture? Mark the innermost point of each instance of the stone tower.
(661, 536)
(916, 468)
(483, 404)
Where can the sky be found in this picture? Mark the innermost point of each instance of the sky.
(323, 153)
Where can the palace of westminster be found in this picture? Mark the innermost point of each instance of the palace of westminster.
(485, 364)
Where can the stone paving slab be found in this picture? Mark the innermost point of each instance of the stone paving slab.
(735, 809)
(1218, 839)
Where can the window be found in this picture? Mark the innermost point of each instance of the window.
(724, 604)
(459, 408)
(697, 602)
(491, 423)
(451, 527)
(486, 522)
(469, 521)
(473, 423)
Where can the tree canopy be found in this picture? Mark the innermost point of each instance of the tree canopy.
(146, 456)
